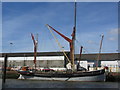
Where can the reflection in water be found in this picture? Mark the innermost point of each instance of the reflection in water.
(0, 83)
(0, 79)
(14, 83)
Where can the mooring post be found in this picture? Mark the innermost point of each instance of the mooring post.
(4, 72)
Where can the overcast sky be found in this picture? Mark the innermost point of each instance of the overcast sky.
(93, 18)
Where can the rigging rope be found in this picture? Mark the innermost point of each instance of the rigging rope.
(59, 44)
(82, 45)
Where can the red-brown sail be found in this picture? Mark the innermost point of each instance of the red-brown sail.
(71, 42)
(35, 48)
(66, 38)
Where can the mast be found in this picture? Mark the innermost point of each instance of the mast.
(37, 41)
(35, 49)
(98, 58)
(80, 57)
(72, 44)
(71, 41)
(75, 9)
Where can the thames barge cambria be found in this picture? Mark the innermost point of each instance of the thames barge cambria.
(72, 73)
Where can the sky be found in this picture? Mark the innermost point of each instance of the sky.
(20, 19)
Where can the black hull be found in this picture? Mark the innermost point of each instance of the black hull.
(65, 75)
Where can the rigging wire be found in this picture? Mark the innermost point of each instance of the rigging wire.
(59, 44)
(82, 45)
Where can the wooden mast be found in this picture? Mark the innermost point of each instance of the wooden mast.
(72, 45)
(71, 41)
(78, 65)
(37, 42)
(35, 49)
(98, 58)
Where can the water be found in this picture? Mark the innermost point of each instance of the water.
(0, 80)
(0, 83)
(14, 83)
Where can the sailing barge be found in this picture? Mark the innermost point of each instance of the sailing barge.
(72, 73)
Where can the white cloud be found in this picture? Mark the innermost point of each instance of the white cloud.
(19, 25)
(112, 38)
(91, 42)
(113, 31)
(112, 34)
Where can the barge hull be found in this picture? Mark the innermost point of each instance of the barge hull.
(100, 77)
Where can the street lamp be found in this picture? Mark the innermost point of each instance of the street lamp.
(11, 46)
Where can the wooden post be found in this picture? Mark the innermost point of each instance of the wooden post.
(4, 72)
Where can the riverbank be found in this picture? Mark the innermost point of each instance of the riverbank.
(12, 74)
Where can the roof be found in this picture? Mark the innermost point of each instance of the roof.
(23, 54)
(103, 56)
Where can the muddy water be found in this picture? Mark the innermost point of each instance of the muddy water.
(14, 83)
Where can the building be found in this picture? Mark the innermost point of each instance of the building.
(44, 59)
(111, 60)
(59, 60)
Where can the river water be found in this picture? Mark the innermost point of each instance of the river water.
(14, 83)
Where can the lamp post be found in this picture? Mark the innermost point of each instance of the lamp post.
(24, 63)
(11, 46)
